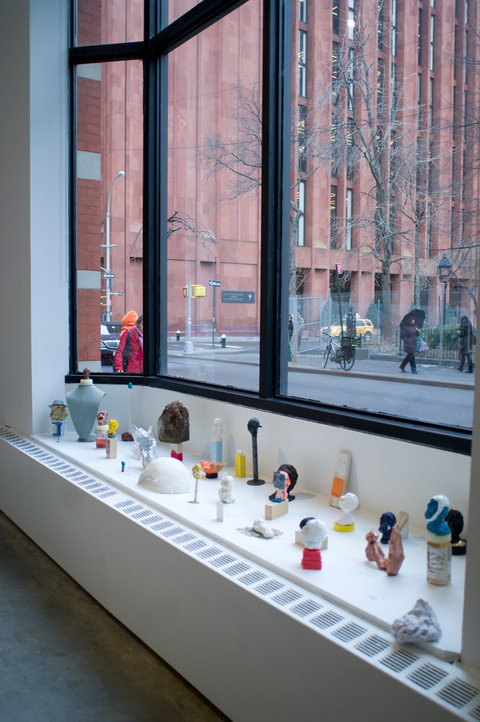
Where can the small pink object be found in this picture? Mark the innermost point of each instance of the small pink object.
(176, 455)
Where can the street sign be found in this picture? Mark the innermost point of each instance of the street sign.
(238, 296)
(214, 283)
(108, 275)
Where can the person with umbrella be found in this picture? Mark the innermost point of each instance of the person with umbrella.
(408, 333)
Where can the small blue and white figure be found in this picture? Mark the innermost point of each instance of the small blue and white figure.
(216, 451)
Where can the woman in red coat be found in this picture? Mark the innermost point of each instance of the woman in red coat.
(130, 350)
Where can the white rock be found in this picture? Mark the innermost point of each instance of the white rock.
(420, 624)
(166, 476)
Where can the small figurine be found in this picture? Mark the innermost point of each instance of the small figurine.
(291, 475)
(101, 430)
(439, 548)
(225, 490)
(387, 522)
(123, 466)
(313, 533)
(58, 414)
(281, 482)
(211, 468)
(348, 502)
(374, 553)
(216, 451)
(174, 427)
(146, 444)
(454, 520)
(253, 426)
(196, 471)
(111, 445)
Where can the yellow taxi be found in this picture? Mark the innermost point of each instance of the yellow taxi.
(365, 329)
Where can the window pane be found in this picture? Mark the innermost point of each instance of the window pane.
(109, 188)
(379, 189)
(109, 21)
(214, 179)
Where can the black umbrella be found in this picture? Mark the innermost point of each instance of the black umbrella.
(415, 313)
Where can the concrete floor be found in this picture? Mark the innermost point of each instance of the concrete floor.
(63, 658)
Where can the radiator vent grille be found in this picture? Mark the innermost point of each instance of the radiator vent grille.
(458, 693)
(427, 676)
(373, 645)
(398, 660)
(327, 619)
(304, 609)
(349, 631)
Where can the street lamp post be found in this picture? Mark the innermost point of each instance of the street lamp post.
(444, 272)
(108, 273)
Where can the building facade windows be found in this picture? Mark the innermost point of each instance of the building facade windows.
(302, 64)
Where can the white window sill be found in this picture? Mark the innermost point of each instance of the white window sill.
(346, 578)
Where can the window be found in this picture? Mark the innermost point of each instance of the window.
(432, 43)
(302, 64)
(394, 28)
(302, 138)
(200, 167)
(335, 17)
(302, 11)
(380, 25)
(348, 219)
(420, 37)
(351, 20)
(333, 216)
(301, 214)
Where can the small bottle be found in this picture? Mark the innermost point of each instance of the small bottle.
(111, 440)
(240, 465)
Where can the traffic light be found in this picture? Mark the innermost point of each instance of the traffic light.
(196, 291)
(185, 291)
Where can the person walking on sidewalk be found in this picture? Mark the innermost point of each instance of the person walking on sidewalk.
(467, 339)
(409, 334)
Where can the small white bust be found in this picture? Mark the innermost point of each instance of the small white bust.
(313, 534)
(225, 490)
(347, 502)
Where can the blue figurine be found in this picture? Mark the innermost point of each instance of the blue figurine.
(387, 522)
(437, 510)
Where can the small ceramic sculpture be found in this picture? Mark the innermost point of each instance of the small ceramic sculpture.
(347, 502)
(281, 482)
(83, 403)
(313, 533)
(420, 624)
(58, 414)
(454, 520)
(196, 471)
(291, 476)
(253, 426)
(216, 451)
(166, 476)
(174, 427)
(374, 553)
(146, 444)
(211, 468)
(387, 522)
(439, 549)
(111, 444)
(225, 490)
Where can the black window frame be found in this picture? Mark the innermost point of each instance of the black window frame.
(159, 40)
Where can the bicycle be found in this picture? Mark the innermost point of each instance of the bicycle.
(341, 353)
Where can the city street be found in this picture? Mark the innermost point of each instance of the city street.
(436, 395)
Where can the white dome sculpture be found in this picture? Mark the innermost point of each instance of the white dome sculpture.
(166, 476)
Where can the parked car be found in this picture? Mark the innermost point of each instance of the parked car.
(110, 338)
(365, 329)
